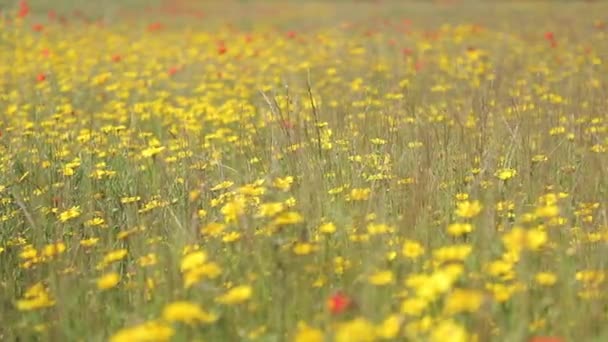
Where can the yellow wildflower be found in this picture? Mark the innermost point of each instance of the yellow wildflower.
(187, 312)
(236, 295)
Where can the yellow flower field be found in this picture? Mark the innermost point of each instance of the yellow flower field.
(303, 171)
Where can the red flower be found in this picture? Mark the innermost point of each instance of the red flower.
(339, 303)
(546, 339)
(550, 36)
(38, 27)
(221, 49)
(24, 9)
(155, 27)
(116, 58)
(291, 34)
(41, 77)
(172, 70)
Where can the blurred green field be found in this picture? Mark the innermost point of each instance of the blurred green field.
(303, 171)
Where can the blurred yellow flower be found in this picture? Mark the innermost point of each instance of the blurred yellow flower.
(327, 228)
(187, 312)
(303, 248)
(69, 214)
(389, 328)
(359, 194)
(468, 209)
(412, 249)
(36, 297)
(283, 184)
(356, 330)
(381, 278)
(305, 333)
(462, 300)
(108, 281)
(458, 229)
(152, 331)
(236, 295)
(545, 278)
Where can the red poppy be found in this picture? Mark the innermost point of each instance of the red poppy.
(339, 303)
(172, 70)
(38, 27)
(116, 58)
(41, 77)
(221, 49)
(24, 9)
(549, 36)
(291, 34)
(155, 27)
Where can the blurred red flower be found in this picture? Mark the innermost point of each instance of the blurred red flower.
(24, 9)
(339, 303)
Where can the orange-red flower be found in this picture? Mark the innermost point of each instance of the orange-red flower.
(339, 303)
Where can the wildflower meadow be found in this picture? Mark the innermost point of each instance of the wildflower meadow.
(303, 171)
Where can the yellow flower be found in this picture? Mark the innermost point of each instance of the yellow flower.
(147, 260)
(113, 256)
(223, 185)
(545, 278)
(96, 221)
(382, 278)
(69, 214)
(452, 253)
(52, 250)
(378, 228)
(462, 300)
(327, 228)
(359, 194)
(209, 270)
(213, 229)
(152, 331)
(449, 330)
(36, 297)
(458, 229)
(290, 217)
(547, 211)
(231, 237)
(270, 209)
(193, 260)
(283, 184)
(412, 249)
(414, 306)
(234, 209)
(518, 239)
(89, 242)
(389, 328)
(236, 295)
(126, 200)
(187, 312)
(108, 281)
(505, 174)
(152, 151)
(356, 330)
(303, 248)
(306, 333)
(468, 209)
